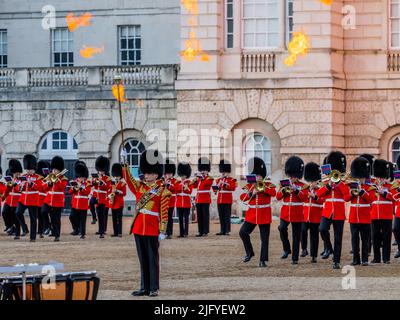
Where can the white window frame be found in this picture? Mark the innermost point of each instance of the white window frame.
(137, 144)
(3, 47)
(70, 47)
(70, 153)
(279, 17)
(288, 32)
(268, 159)
(391, 2)
(135, 37)
(227, 19)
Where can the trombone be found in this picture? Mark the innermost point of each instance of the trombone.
(54, 177)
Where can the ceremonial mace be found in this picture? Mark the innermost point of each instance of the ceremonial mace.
(118, 83)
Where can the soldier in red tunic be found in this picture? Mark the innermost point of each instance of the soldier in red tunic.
(258, 200)
(293, 197)
(183, 189)
(335, 192)
(395, 189)
(150, 217)
(3, 189)
(30, 186)
(203, 183)
(43, 224)
(169, 180)
(116, 195)
(360, 210)
(312, 211)
(224, 187)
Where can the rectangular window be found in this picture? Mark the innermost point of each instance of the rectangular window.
(3, 49)
(130, 45)
(289, 21)
(229, 24)
(395, 23)
(62, 48)
(261, 23)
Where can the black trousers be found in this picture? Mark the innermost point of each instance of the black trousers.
(82, 221)
(203, 217)
(296, 235)
(183, 215)
(45, 213)
(338, 236)
(40, 229)
(244, 233)
(55, 220)
(170, 225)
(147, 249)
(102, 217)
(10, 217)
(117, 221)
(224, 212)
(33, 212)
(382, 234)
(314, 237)
(360, 230)
(396, 231)
(75, 220)
(92, 206)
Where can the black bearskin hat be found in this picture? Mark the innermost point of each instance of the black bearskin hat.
(41, 165)
(30, 162)
(116, 170)
(169, 167)
(224, 166)
(294, 167)
(102, 164)
(204, 164)
(57, 163)
(257, 166)
(14, 166)
(151, 161)
(337, 160)
(381, 169)
(312, 172)
(370, 159)
(184, 169)
(81, 171)
(392, 169)
(360, 168)
(325, 160)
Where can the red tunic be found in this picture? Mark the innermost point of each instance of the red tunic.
(30, 190)
(119, 194)
(360, 208)
(170, 183)
(396, 197)
(382, 207)
(292, 208)
(259, 211)
(55, 193)
(13, 194)
(101, 188)
(203, 186)
(334, 205)
(183, 199)
(3, 192)
(227, 185)
(312, 208)
(80, 195)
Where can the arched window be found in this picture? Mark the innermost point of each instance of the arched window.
(58, 143)
(395, 149)
(134, 148)
(258, 145)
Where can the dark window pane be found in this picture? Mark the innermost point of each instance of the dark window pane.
(56, 135)
(130, 44)
(230, 26)
(75, 145)
(64, 136)
(123, 43)
(64, 57)
(138, 43)
(5, 60)
(44, 144)
(135, 161)
(64, 145)
(141, 147)
(290, 8)
(71, 57)
(124, 55)
(131, 55)
(230, 10)
(138, 55)
(230, 41)
(55, 145)
(56, 58)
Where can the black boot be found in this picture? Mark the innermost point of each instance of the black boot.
(262, 264)
(327, 254)
(304, 253)
(336, 265)
(285, 254)
(247, 258)
(140, 293)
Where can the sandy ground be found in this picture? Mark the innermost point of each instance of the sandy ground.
(206, 268)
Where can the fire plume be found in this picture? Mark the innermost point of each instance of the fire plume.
(327, 2)
(191, 6)
(89, 52)
(298, 45)
(120, 96)
(74, 22)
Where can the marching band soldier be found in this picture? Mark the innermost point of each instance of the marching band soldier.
(312, 211)
(225, 186)
(396, 224)
(150, 219)
(258, 198)
(3, 191)
(203, 183)
(29, 188)
(55, 185)
(101, 185)
(183, 189)
(116, 195)
(360, 211)
(169, 173)
(80, 190)
(334, 191)
(42, 225)
(293, 197)
(12, 198)
(382, 212)
(92, 207)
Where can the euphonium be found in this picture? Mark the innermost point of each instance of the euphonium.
(260, 186)
(335, 176)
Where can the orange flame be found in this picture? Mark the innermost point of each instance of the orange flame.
(327, 2)
(89, 52)
(298, 45)
(191, 6)
(193, 49)
(121, 95)
(74, 23)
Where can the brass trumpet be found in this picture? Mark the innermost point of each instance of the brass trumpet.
(335, 176)
(54, 177)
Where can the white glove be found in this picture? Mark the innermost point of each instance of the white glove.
(161, 237)
(123, 155)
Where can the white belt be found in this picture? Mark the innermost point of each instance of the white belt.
(14, 194)
(225, 191)
(203, 191)
(81, 197)
(334, 200)
(259, 207)
(30, 192)
(293, 204)
(152, 213)
(313, 205)
(183, 194)
(42, 194)
(55, 192)
(382, 202)
(360, 205)
(100, 191)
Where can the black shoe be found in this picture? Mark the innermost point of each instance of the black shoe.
(94, 221)
(16, 238)
(41, 236)
(82, 237)
(247, 258)
(46, 232)
(327, 254)
(285, 254)
(180, 236)
(140, 293)
(397, 255)
(262, 264)
(294, 262)
(351, 251)
(313, 260)
(32, 240)
(74, 233)
(120, 236)
(199, 235)
(101, 236)
(114, 235)
(220, 234)
(97, 233)
(355, 263)
(322, 253)
(336, 265)
(304, 253)
(364, 264)
(153, 294)
(386, 262)
(56, 239)
(23, 234)
(375, 261)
